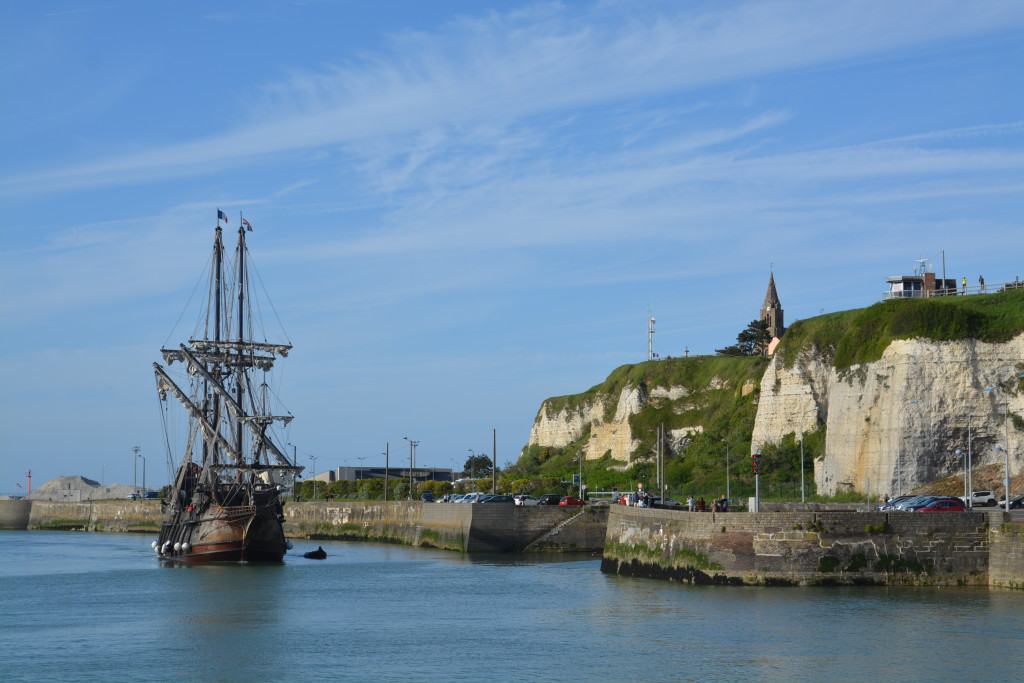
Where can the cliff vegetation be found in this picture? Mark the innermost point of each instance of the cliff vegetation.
(862, 335)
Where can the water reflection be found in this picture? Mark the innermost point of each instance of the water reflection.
(386, 612)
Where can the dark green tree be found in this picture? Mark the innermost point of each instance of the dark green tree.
(750, 342)
(478, 466)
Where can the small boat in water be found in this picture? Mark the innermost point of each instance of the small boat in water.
(225, 503)
(318, 554)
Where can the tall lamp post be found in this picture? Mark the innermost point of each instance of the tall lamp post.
(313, 458)
(135, 471)
(967, 498)
(412, 460)
(359, 474)
(728, 491)
(387, 465)
(143, 474)
(1006, 451)
(803, 497)
(899, 450)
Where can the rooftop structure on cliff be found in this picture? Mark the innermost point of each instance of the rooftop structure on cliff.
(921, 284)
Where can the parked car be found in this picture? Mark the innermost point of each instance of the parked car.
(571, 500)
(668, 502)
(549, 499)
(472, 497)
(497, 498)
(1016, 503)
(904, 504)
(893, 502)
(525, 500)
(943, 505)
(929, 501)
(427, 497)
(151, 494)
(983, 499)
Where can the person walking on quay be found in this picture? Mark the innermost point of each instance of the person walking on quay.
(963, 285)
(981, 283)
(723, 503)
(689, 504)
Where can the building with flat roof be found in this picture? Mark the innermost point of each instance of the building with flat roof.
(419, 474)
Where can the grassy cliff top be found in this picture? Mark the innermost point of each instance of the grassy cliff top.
(862, 335)
(694, 373)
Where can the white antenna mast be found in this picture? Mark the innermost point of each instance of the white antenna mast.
(650, 334)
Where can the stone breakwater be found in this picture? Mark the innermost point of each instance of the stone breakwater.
(816, 548)
(467, 528)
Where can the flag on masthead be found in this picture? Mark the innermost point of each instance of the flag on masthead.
(221, 216)
(246, 224)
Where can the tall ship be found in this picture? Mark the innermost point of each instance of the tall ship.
(225, 502)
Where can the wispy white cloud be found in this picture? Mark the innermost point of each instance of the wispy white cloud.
(428, 88)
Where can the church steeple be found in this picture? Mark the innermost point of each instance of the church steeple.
(771, 311)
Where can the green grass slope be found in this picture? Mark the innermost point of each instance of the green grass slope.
(862, 335)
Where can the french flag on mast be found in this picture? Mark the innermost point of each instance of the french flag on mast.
(221, 216)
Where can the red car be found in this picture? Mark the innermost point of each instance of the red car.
(571, 500)
(944, 505)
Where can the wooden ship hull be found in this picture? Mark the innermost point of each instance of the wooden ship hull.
(241, 533)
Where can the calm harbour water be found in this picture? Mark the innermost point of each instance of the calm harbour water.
(101, 607)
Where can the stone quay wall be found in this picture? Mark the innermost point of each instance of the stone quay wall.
(1006, 565)
(467, 528)
(815, 548)
(14, 514)
(103, 515)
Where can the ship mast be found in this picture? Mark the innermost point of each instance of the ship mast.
(240, 389)
(218, 275)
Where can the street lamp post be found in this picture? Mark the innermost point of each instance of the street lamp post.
(803, 497)
(135, 472)
(313, 458)
(899, 451)
(387, 465)
(967, 499)
(359, 474)
(143, 474)
(412, 460)
(1006, 451)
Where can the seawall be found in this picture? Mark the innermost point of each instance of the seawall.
(467, 528)
(816, 548)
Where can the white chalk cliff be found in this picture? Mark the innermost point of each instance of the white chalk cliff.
(902, 416)
(898, 419)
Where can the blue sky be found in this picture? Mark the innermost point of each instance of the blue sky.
(463, 208)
